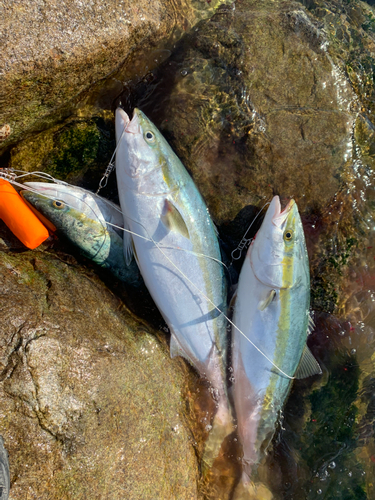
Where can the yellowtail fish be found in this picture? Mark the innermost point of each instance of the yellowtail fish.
(272, 310)
(181, 264)
(87, 220)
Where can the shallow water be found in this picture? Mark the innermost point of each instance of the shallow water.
(324, 443)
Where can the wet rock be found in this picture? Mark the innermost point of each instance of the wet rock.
(54, 52)
(258, 107)
(278, 98)
(91, 404)
(77, 150)
(261, 100)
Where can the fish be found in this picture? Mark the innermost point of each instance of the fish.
(90, 222)
(272, 321)
(181, 265)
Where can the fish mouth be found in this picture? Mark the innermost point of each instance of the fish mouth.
(126, 125)
(280, 216)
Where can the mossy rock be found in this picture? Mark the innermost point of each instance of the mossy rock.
(80, 148)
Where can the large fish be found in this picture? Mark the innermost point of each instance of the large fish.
(85, 219)
(181, 264)
(272, 311)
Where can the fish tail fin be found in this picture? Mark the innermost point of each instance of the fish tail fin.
(222, 426)
(247, 490)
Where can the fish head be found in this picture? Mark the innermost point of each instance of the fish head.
(142, 154)
(54, 210)
(54, 200)
(278, 254)
(89, 234)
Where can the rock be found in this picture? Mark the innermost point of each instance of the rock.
(257, 101)
(268, 98)
(91, 405)
(257, 107)
(54, 52)
(79, 148)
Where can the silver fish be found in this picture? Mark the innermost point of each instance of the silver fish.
(88, 221)
(181, 264)
(272, 311)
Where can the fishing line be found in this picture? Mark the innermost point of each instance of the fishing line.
(55, 198)
(244, 241)
(212, 303)
(159, 247)
(111, 166)
(10, 177)
(169, 247)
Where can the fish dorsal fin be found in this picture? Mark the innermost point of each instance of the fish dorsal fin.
(311, 325)
(128, 245)
(173, 220)
(265, 303)
(308, 365)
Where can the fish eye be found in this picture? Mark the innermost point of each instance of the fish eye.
(58, 204)
(149, 136)
(288, 235)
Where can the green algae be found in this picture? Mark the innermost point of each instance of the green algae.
(327, 277)
(75, 150)
(331, 434)
(68, 152)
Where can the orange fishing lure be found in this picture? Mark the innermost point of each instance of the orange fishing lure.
(19, 218)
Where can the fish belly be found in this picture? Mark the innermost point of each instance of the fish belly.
(185, 288)
(174, 288)
(253, 373)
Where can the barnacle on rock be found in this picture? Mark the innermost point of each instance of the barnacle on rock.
(5, 132)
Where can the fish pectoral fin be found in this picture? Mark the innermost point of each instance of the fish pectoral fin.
(265, 303)
(176, 349)
(308, 365)
(233, 300)
(173, 220)
(128, 245)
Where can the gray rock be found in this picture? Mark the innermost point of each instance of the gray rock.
(52, 53)
(91, 404)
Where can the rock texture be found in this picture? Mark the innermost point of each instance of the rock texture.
(91, 404)
(54, 52)
(262, 99)
(258, 107)
(277, 98)
(271, 97)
